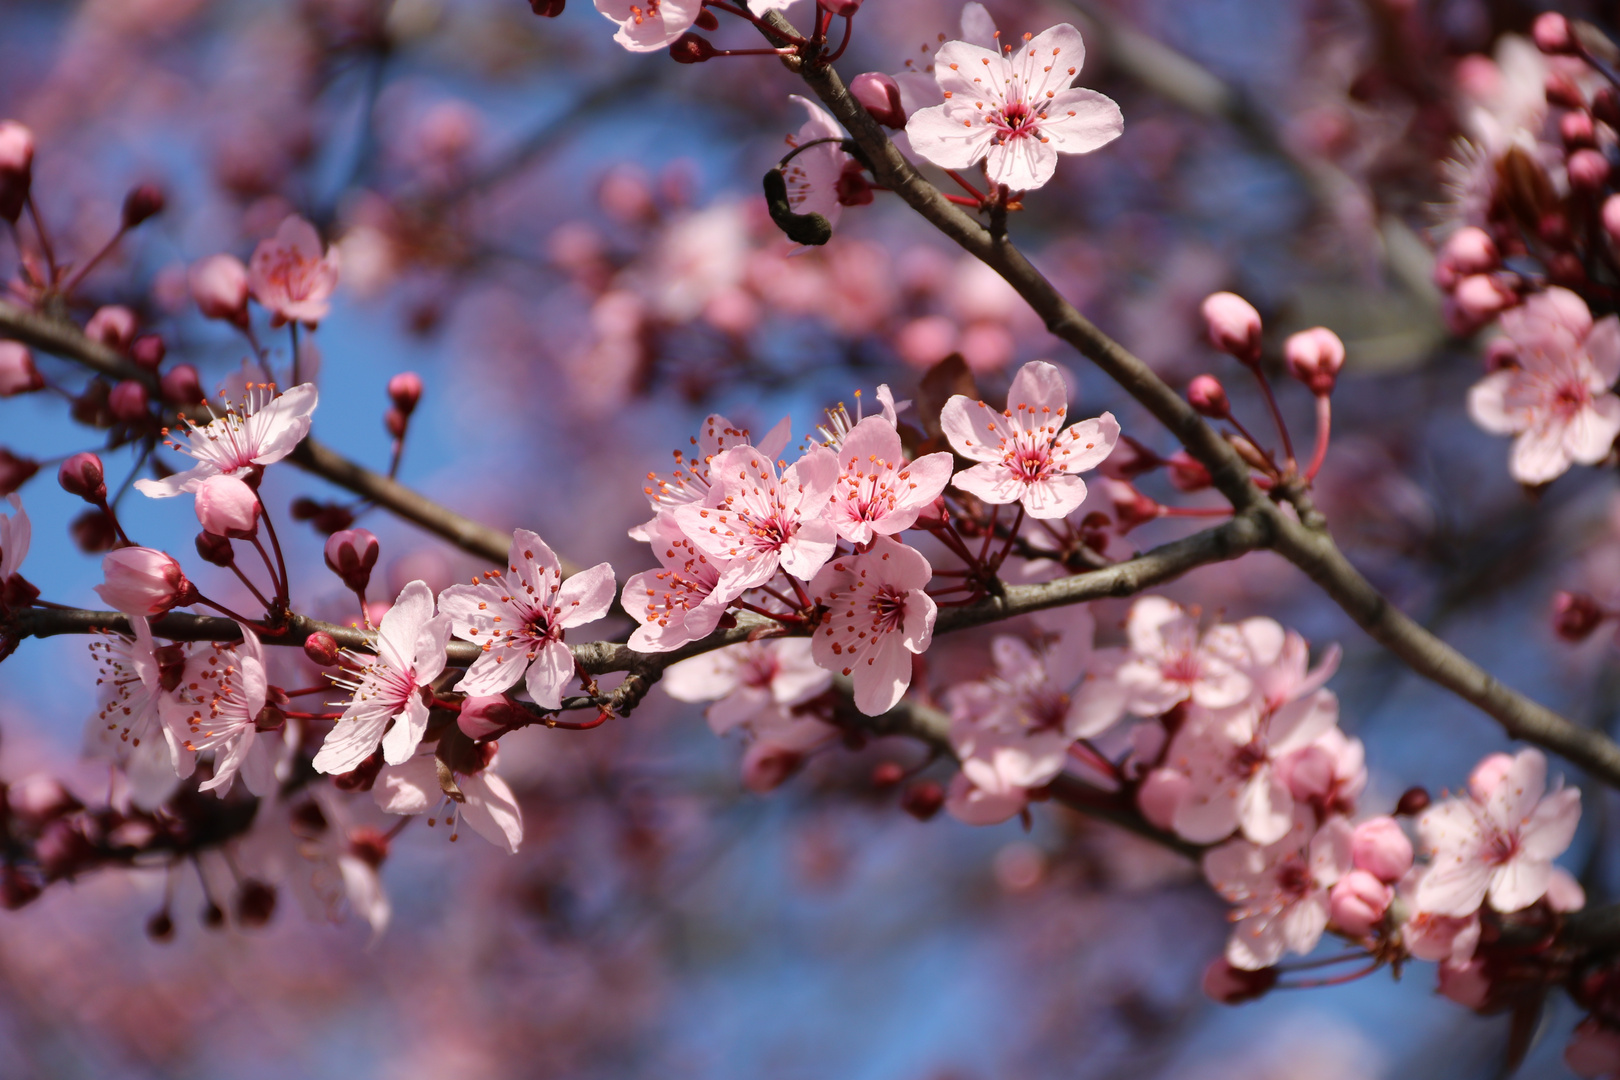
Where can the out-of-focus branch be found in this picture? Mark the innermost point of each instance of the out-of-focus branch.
(59, 337)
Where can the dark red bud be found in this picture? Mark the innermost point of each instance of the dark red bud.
(148, 351)
(706, 21)
(255, 903)
(368, 845)
(160, 927)
(15, 471)
(93, 532)
(215, 549)
(142, 202)
(1576, 615)
(689, 48)
(83, 475)
(923, 800)
(395, 422)
(322, 649)
(181, 386)
(1562, 92)
(1412, 801)
(887, 774)
(548, 9)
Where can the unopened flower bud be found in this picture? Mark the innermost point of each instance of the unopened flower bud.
(395, 423)
(93, 532)
(886, 774)
(548, 9)
(142, 202)
(1187, 473)
(923, 800)
(879, 94)
(1552, 34)
(215, 548)
(160, 927)
(1588, 170)
(148, 351)
(1358, 902)
(1233, 985)
(212, 916)
(83, 475)
(1606, 106)
(322, 649)
(1314, 358)
(226, 506)
(766, 766)
(1131, 507)
(1611, 218)
(1129, 460)
(16, 168)
(1208, 397)
(219, 284)
(1481, 297)
(1233, 325)
(18, 375)
(351, 554)
(1413, 801)
(1469, 250)
(181, 386)
(255, 903)
(935, 515)
(1575, 616)
(1161, 795)
(1562, 92)
(405, 390)
(1577, 130)
(1487, 774)
(481, 717)
(129, 402)
(144, 581)
(113, 326)
(1380, 847)
(690, 48)
(845, 8)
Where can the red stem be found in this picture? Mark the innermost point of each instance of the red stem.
(1276, 416)
(1324, 428)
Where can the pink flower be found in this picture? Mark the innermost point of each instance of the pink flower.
(878, 617)
(1016, 113)
(486, 804)
(1281, 890)
(1430, 936)
(649, 25)
(342, 858)
(144, 581)
(219, 284)
(128, 727)
(18, 375)
(1557, 399)
(878, 491)
(1026, 454)
(15, 534)
(688, 483)
(781, 742)
(1168, 661)
(760, 522)
(973, 805)
(263, 431)
(519, 619)
(411, 644)
(748, 683)
(1330, 774)
(292, 275)
(224, 699)
(1501, 848)
(812, 176)
(681, 602)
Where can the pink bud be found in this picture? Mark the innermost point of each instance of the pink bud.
(482, 717)
(1161, 795)
(16, 168)
(1208, 397)
(1469, 251)
(1233, 985)
(1479, 298)
(1131, 507)
(394, 423)
(1552, 34)
(142, 202)
(129, 402)
(113, 326)
(1487, 774)
(1308, 772)
(144, 581)
(1465, 983)
(181, 386)
(219, 284)
(322, 649)
(1357, 903)
(880, 95)
(1379, 847)
(1611, 218)
(83, 475)
(226, 506)
(405, 390)
(1233, 325)
(148, 351)
(18, 375)
(1314, 358)
(766, 766)
(1187, 473)
(350, 554)
(1577, 130)
(1588, 170)
(1575, 616)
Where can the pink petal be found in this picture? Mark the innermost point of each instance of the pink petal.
(1095, 122)
(586, 596)
(549, 673)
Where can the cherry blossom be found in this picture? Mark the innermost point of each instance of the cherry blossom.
(813, 175)
(1168, 661)
(128, 727)
(781, 740)
(1499, 848)
(972, 805)
(342, 860)
(1016, 113)
(261, 431)
(15, 534)
(1280, 889)
(878, 618)
(649, 25)
(292, 274)
(486, 804)
(226, 690)
(749, 682)
(688, 482)
(519, 618)
(1557, 397)
(679, 603)
(760, 521)
(1028, 456)
(387, 688)
(144, 581)
(878, 491)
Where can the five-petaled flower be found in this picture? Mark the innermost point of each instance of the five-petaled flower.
(1026, 455)
(1015, 112)
(263, 430)
(292, 275)
(878, 491)
(129, 726)
(878, 617)
(479, 797)
(219, 709)
(1281, 889)
(518, 618)
(680, 602)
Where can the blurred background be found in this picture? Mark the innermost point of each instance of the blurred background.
(569, 243)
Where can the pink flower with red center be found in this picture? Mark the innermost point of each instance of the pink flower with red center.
(649, 25)
(1015, 113)
(223, 697)
(388, 706)
(481, 799)
(519, 619)
(293, 275)
(762, 522)
(1498, 848)
(688, 482)
(747, 682)
(128, 727)
(681, 602)
(262, 430)
(812, 176)
(878, 618)
(1557, 399)
(1170, 661)
(1280, 890)
(1027, 456)
(878, 491)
